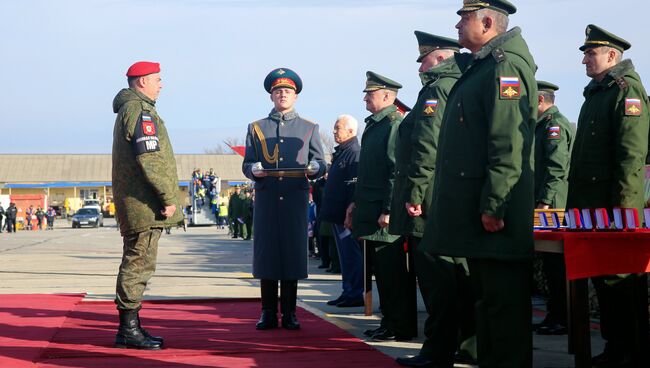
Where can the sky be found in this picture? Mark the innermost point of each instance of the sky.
(62, 62)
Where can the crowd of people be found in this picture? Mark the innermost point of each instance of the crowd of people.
(240, 212)
(34, 218)
(443, 197)
(499, 148)
(206, 187)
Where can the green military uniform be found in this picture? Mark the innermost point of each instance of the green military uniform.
(607, 171)
(553, 137)
(247, 210)
(144, 181)
(236, 212)
(485, 167)
(372, 198)
(441, 281)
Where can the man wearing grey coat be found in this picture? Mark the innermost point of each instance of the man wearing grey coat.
(283, 152)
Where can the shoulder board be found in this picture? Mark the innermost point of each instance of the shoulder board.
(499, 55)
(394, 116)
(622, 83)
(549, 117)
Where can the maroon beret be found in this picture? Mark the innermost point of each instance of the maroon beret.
(143, 68)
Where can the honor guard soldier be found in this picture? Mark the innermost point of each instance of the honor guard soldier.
(146, 194)
(442, 280)
(607, 172)
(482, 206)
(283, 152)
(553, 136)
(369, 214)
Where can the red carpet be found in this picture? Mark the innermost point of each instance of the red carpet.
(198, 333)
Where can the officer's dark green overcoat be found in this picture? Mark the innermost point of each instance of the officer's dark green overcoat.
(416, 147)
(376, 175)
(611, 143)
(553, 136)
(144, 183)
(485, 156)
(281, 202)
(235, 205)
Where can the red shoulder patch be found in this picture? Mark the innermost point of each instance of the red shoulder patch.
(148, 128)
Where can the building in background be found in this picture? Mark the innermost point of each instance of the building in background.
(66, 180)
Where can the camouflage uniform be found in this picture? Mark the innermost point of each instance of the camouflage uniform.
(144, 182)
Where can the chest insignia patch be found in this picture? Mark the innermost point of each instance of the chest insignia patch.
(633, 107)
(510, 88)
(430, 107)
(554, 132)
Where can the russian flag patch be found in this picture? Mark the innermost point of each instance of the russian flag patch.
(633, 107)
(554, 132)
(430, 107)
(509, 88)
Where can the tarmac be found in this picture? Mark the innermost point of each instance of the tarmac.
(203, 262)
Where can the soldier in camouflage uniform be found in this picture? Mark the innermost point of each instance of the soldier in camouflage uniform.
(146, 193)
(607, 172)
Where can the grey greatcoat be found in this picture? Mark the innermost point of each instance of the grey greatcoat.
(281, 202)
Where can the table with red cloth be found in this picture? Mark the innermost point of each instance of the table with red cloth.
(588, 254)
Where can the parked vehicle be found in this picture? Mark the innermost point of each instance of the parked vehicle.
(92, 203)
(88, 216)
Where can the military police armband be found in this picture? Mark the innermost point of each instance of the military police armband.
(145, 137)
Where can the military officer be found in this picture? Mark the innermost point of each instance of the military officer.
(552, 152)
(247, 209)
(236, 212)
(482, 205)
(606, 172)
(369, 214)
(415, 155)
(282, 140)
(146, 194)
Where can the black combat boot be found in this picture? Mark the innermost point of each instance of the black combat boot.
(288, 294)
(269, 318)
(129, 335)
(147, 335)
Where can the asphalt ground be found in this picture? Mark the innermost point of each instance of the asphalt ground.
(203, 262)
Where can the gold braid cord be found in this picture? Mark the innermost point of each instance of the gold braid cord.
(265, 151)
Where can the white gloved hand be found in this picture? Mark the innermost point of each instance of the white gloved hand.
(312, 168)
(258, 170)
